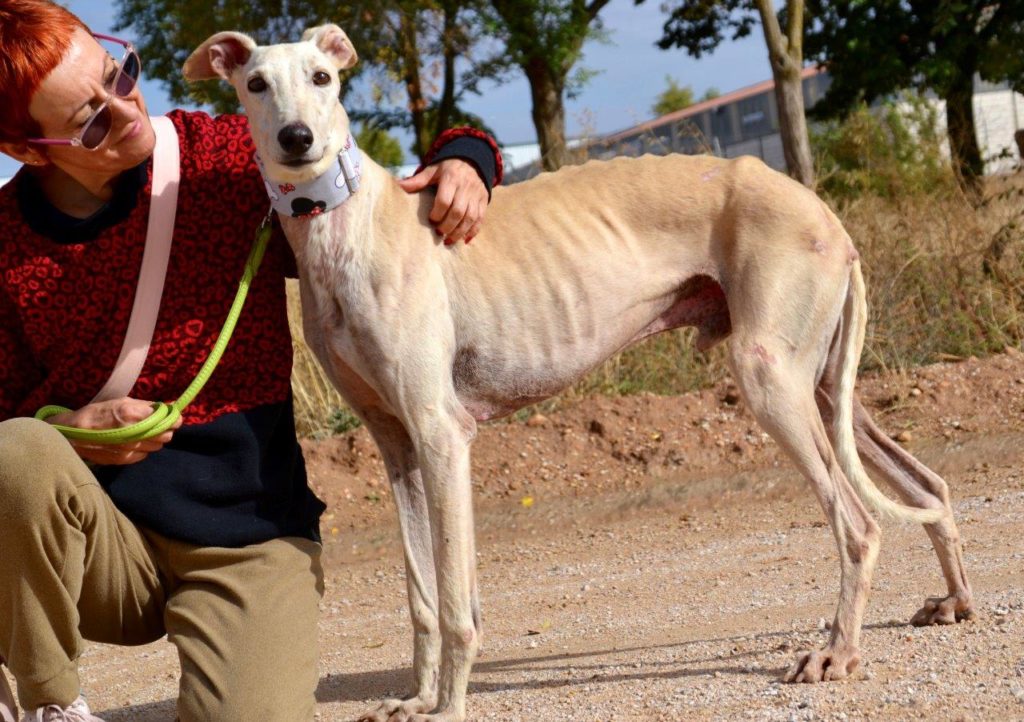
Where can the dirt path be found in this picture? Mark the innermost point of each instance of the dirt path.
(655, 594)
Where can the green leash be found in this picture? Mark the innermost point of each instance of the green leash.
(165, 415)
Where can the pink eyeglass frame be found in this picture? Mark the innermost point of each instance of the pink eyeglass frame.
(129, 50)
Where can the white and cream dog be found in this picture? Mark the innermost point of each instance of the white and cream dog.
(425, 340)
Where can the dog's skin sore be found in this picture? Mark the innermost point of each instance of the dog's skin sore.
(762, 353)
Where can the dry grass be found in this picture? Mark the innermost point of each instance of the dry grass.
(316, 400)
(944, 281)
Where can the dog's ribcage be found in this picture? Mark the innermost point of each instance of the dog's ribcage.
(534, 311)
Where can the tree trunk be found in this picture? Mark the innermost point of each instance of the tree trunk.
(446, 104)
(548, 114)
(413, 85)
(796, 147)
(786, 56)
(963, 139)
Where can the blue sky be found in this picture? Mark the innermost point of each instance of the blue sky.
(632, 72)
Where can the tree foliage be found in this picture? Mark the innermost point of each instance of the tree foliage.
(407, 48)
(700, 26)
(380, 145)
(545, 39)
(672, 98)
(677, 97)
(893, 151)
(167, 31)
(438, 51)
(874, 49)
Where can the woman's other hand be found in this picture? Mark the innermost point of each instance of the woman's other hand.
(114, 414)
(461, 199)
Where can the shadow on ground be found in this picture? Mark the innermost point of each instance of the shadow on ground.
(545, 672)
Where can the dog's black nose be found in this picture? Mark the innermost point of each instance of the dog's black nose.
(295, 138)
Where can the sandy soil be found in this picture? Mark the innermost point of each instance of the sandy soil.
(656, 558)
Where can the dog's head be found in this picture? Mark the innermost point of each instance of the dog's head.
(290, 93)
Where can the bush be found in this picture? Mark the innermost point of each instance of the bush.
(892, 150)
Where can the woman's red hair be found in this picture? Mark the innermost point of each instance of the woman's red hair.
(34, 37)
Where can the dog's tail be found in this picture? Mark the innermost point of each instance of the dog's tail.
(855, 312)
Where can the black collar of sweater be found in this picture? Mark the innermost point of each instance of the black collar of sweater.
(46, 220)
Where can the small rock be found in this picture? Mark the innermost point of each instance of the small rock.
(904, 436)
(915, 391)
(537, 420)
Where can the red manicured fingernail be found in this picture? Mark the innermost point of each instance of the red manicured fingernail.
(448, 242)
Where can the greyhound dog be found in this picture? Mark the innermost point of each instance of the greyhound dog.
(425, 340)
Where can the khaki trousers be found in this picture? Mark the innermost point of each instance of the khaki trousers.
(72, 567)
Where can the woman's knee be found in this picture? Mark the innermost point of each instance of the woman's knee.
(34, 461)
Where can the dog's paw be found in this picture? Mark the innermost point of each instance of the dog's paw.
(437, 717)
(943, 610)
(824, 665)
(397, 710)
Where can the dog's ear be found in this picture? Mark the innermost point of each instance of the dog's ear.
(334, 43)
(218, 56)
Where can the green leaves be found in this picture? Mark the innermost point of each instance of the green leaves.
(700, 26)
(876, 49)
(410, 46)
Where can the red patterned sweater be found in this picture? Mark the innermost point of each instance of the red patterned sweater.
(233, 474)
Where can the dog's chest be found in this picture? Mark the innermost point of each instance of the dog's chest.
(337, 295)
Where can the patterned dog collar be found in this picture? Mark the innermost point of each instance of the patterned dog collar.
(321, 194)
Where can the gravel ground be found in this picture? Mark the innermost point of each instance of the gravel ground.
(672, 596)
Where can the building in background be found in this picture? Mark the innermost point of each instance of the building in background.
(743, 122)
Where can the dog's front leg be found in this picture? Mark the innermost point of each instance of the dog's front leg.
(442, 432)
(403, 470)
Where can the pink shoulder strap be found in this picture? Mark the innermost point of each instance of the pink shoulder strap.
(162, 207)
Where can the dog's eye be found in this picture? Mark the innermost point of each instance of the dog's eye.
(321, 78)
(257, 84)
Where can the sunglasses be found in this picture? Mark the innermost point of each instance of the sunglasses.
(97, 127)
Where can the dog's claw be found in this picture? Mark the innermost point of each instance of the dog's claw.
(943, 610)
(825, 665)
(397, 710)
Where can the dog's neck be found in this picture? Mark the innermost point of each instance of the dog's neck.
(328, 190)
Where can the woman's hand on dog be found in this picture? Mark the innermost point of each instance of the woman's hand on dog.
(461, 199)
(113, 414)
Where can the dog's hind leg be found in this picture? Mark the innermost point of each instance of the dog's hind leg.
(780, 394)
(403, 469)
(917, 486)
